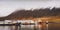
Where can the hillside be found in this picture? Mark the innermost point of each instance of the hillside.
(36, 13)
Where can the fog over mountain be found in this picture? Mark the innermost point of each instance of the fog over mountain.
(9, 6)
(36, 13)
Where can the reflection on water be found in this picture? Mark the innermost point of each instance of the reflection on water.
(54, 26)
(25, 27)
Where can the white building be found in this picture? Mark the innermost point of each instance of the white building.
(28, 21)
(16, 21)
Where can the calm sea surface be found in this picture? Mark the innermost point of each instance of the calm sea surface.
(25, 27)
(54, 26)
(50, 26)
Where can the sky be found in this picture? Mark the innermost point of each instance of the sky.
(9, 6)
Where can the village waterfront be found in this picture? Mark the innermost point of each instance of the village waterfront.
(41, 26)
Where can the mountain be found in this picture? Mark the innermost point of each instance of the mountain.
(36, 13)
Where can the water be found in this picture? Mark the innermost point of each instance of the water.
(54, 26)
(25, 27)
(50, 26)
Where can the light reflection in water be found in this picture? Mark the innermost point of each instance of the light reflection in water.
(25, 27)
(46, 26)
(54, 26)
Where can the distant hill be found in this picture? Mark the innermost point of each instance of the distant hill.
(35, 13)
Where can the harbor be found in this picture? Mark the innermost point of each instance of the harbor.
(20, 22)
(25, 27)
